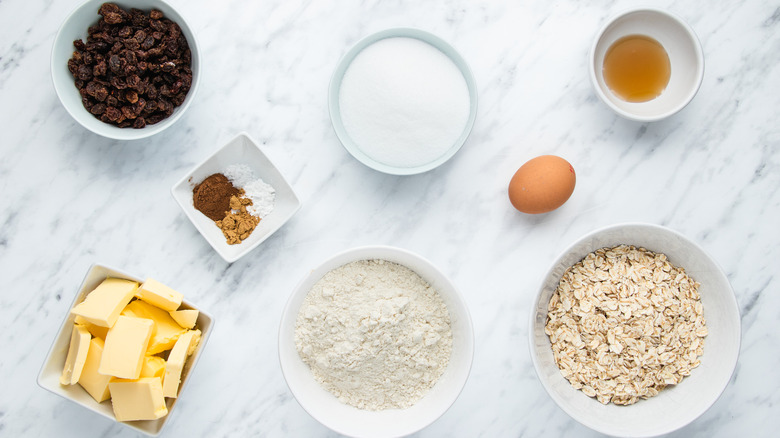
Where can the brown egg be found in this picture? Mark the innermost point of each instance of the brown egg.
(542, 184)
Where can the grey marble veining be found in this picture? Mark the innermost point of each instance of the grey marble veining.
(71, 198)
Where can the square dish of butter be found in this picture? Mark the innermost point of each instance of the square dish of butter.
(126, 348)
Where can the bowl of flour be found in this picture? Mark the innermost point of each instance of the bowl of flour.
(402, 101)
(376, 342)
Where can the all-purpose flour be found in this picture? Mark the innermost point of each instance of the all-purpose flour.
(374, 334)
(403, 102)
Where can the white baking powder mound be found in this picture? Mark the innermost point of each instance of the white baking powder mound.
(403, 102)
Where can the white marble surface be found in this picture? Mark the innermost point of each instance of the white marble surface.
(71, 198)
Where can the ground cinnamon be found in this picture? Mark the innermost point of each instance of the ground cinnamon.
(212, 196)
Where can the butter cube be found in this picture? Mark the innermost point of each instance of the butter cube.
(103, 305)
(94, 383)
(185, 318)
(160, 295)
(77, 355)
(140, 399)
(96, 330)
(175, 363)
(194, 343)
(166, 330)
(154, 366)
(125, 347)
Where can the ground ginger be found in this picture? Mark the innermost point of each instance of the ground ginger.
(238, 223)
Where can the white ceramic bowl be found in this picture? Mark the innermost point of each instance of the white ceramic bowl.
(241, 150)
(335, 89)
(685, 57)
(347, 420)
(75, 27)
(49, 376)
(675, 406)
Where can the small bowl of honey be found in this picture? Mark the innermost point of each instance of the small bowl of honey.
(646, 64)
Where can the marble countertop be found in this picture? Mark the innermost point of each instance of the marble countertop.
(71, 198)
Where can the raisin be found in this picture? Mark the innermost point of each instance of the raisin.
(100, 69)
(125, 32)
(128, 112)
(113, 18)
(114, 64)
(112, 113)
(73, 67)
(131, 96)
(147, 43)
(98, 109)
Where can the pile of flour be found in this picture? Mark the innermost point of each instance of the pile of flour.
(374, 334)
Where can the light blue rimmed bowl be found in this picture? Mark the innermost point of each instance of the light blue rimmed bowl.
(335, 110)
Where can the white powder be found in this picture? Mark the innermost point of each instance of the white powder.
(374, 334)
(403, 102)
(263, 195)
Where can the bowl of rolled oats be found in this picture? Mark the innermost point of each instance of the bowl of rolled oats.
(635, 330)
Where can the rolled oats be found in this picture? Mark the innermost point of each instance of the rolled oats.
(624, 323)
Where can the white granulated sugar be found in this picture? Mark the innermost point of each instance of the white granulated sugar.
(263, 195)
(374, 334)
(403, 102)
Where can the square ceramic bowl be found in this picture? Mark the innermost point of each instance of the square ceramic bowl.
(335, 90)
(49, 377)
(75, 27)
(241, 150)
(351, 421)
(685, 57)
(676, 405)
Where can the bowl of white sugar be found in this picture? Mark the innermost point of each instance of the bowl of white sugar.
(376, 342)
(402, 101)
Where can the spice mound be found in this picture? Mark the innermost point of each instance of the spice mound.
(134, 69)
(212, 196)
(624, 323)
(374, 334)
(235, 200)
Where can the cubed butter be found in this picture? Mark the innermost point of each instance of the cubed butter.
(154, 366)
(194, 342)
(91, 380)
(185, 318)
(96, 330)
(166, 330)
(125, 347)
(160, 295)
(175, 363)
(77, 355)
(140, 399)
(103, 305)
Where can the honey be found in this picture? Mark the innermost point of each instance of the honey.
(636, 68)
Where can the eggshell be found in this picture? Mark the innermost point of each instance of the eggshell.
(542, 184)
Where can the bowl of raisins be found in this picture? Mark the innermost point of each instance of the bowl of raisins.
(125, 70)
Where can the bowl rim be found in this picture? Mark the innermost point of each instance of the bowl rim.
(147, 427)
(101, 128)
(538, 295)
(220, 246)
(436, 42)
(340, 258)
(699, 63)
